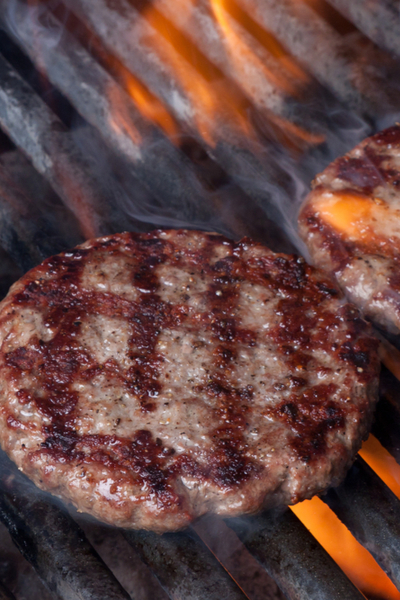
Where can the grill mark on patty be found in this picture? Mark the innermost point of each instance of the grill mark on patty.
(291, 279)
(389, 136)
(57, 362)
(365, 176)
(230, 465)
(368, 171)
(312, 415)
(60, 362)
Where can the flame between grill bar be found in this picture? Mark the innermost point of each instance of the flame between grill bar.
(184, 566)
(387, 418)
(290, 554)
(5, 594)
(96, 96)
(256, 170)
(378, 19)
(46, 534)
(356, 507)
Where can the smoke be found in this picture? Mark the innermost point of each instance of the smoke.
(48, 31)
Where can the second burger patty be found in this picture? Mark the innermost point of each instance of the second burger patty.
(351, 225)
(151, 378)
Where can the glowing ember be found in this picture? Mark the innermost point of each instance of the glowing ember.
(149, 106)
(200, 79)
(351, 557)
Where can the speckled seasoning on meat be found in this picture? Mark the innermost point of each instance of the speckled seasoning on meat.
(351, 225)
(149, 378)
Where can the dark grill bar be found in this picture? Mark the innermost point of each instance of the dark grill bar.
(96, 96)
(290, 554)
(378, 19)
(28, 232)
(19, 226)
(184, 566)
(53, 543)
(47, 144)
(377, 530)
(322, 50)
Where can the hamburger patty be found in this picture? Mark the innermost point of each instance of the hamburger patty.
(149, 378)
(351, 225)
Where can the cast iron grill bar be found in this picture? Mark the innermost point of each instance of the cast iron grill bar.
(20, 229)
(291, 555)
(25, 230)
(5, 594)
(255, 169)
(53, 543)
(33, 127)
(378, 19)
(321, 49)
(127, 34)
(97, 97)
(261, 79)
(356, 501)
(386, 426)
(184, 566)
(270, 83)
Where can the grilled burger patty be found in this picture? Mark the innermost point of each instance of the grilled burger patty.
(351, 225)
(149, 378)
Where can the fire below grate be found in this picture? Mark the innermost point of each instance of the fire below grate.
(79, 157)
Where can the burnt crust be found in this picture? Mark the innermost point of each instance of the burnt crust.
(256, 443)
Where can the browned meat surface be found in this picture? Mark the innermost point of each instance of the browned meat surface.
(151, 378)
(351, 225)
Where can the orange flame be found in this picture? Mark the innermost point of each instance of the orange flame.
(359, 566)
(288, 76)
(337, 540)
(199, 78)
(149, 106)
(218, 107)
(382, 462)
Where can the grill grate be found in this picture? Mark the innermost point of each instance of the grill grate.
(234, 184)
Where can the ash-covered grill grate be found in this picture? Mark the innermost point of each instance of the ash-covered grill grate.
(79, 159)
